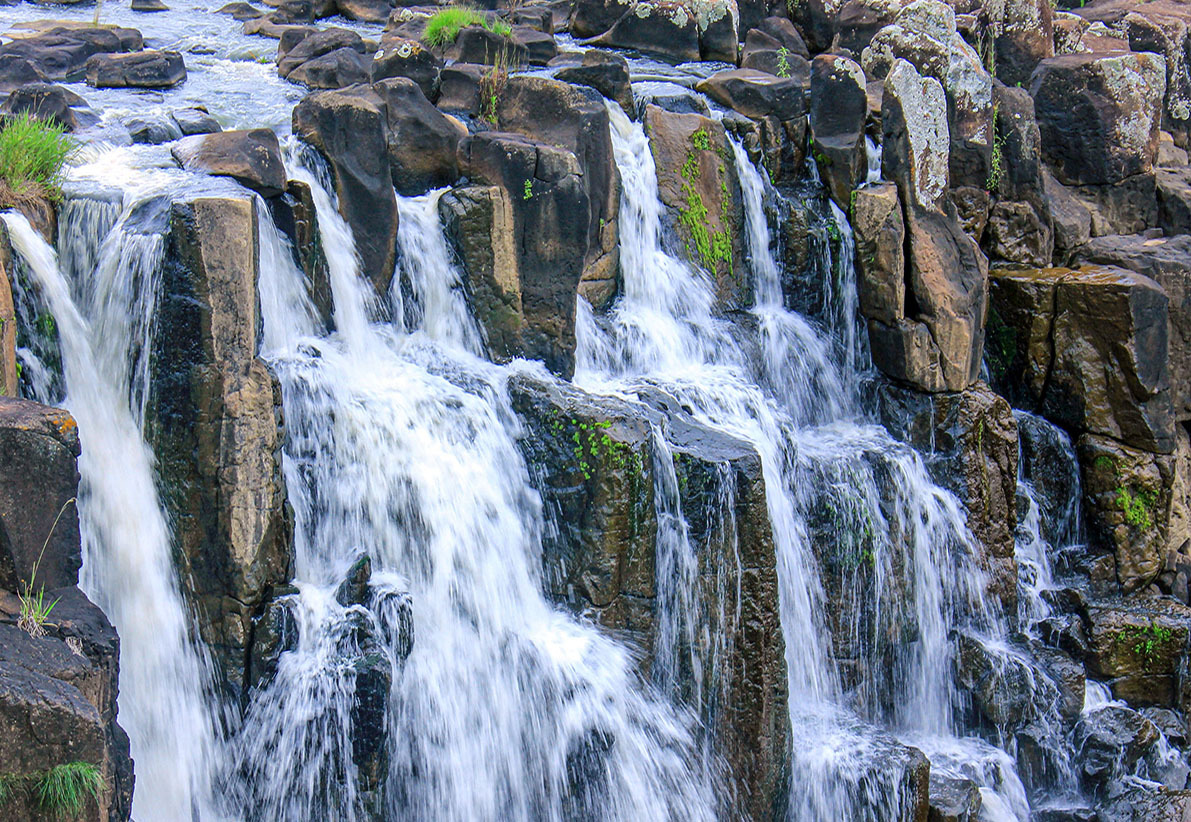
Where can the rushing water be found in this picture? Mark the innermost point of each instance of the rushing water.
(103, 319)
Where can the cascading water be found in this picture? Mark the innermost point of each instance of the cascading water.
(852, 511)
(103, 314)
(401, 447)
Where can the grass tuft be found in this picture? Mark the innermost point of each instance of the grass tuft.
(32, 155)
(65, 789)
(445, 25)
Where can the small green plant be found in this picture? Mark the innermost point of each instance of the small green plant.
(1136, 507)
(1145, 642)
(64, 789)
(996, 170)
(711, 247)
(783, 62)
(445, 25)
(32, 155)
(492, 86)
(529, 190)
(35, 609)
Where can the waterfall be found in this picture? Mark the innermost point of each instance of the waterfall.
(855, 517)
(401, 447)
(103, 316)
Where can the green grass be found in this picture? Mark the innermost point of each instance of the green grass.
(445, 25)
(65, 789)
(32, 155)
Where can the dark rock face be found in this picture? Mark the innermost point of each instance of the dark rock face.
(192, 121)
(217, 425)
(45, 102)
(880, 236)
(1110, 742)
(606, 73)
(602, 561)
(969, 443)
(663, 27)
(592, 17)
(522, 241)
(698, 184)
(331, 58)
(422, 141)
(1088, 349)
(403, 57)
(141, 69)
(349, 127)
(1019, 224)
(755, 94)
(1099, 114)
(1137, 647)
(38, 486)
(838, 108)
(252, 158)
(62, 53)
(1164, 260)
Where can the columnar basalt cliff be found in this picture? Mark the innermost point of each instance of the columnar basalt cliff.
(596, 410)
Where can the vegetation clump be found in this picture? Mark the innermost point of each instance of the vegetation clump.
(62, 791)
(1146, 641)
(711, 247)
(33, 153)
(445, 25)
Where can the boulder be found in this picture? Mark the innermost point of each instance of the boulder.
(44, 101)
(1174, 200)
(349, 127)
(969, 443)
(838, 108)
(196, 120)
(151, 130)
(365, 11)
(666, 28)
(61, 53)
(38, 490)
(1164, 260)
(300, 45)
(141, 69)
(697, 183)
(1019, 224)
(1099, 114)
(148, 5)
(17, 70)
(880, 235)
(1109, 742)
(402, 57)
(915, 145)
(1127, 506)
(602, 559)
(1127, 207)
(763, 52)
(953, 799)
(522, 237)
(479, 45)
(459, 88)
(754, 94)
(593, 17)
(336, 69)
(1089, 351)
(575, 119)
(1166, 30)
(1071, 220)
(924, 34)
(251, 158)
(216, 425)
(606, 72)
(1023, 37)
(422, 141)
(538, 46)
(1007, 692)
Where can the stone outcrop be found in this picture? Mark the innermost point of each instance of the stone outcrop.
(140, 69)
(251, 158)
(602, 560)
(61, 52)
(838, 109)
(216, 426)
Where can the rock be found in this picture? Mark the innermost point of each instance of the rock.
(880, 253)
(192, 121)
(459, 88)
(593, 17)
(17, 71)
(605, 72)
(421, 140)
(575, 119)
(538, 46)
(540, 18)
(969, 443)
(294, 214)
(924, 34)
(663, 27)
(601, 559)
(45, 102)
(1164, 260)
(754, 93)
(698, 185)
(1071, 220)
(216, 425)
(1174, 200)
(522, 242)
(9, 377)
(1169, 154)
(141, 69)
(1143, 804)
(299, 45)
(402, 57)
(915, 143)
(38, 490)
(1024, 36)
(349, 127)
(476, 44)
(1019, 228)
(838, 107)
(151, 130)
(1127, 503)
(1099, 114)
(149, 5)
(61, 53)
(953, 800)
(241, 11)
(1109, 742)
(365, 11)
(1166, 30)
(251, 158)
(337, 69)
(763, 52)
(1127, 207)
(785, 33)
